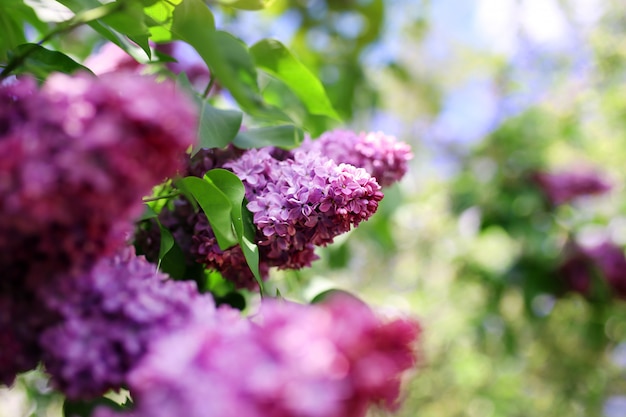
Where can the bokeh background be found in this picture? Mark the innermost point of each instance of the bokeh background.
(506, 237)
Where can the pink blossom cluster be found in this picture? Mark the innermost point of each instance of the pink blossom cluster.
(76, 156)
(381, 155)
(605, 261)
(329, 360)
(564, 187)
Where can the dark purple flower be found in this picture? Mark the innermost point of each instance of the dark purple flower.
(382, 156)
(609, 259)
(563, 187)
(109, 317)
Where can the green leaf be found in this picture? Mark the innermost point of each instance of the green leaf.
(247, 4)
(216, 127)
(275, 59)
(129, 21)
(167, 241)
(325, 296)
(215, 204)
(285, 136)
(234, 189)
(78, 6)
(41, 61)
(160, 17)
(148, 213)
(12, 34)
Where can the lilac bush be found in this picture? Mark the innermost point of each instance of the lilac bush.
(82, 157)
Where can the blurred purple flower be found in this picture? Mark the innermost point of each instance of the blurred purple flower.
(563, 187)
(109, 317)
(112, 58)
(382, 156)
(611, 262)
(329, 360)
(75, 159)
(604, 260)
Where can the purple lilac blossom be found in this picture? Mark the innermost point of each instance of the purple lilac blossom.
(109, 317)
(563, 187)
(76, 156)
(382, 156)
(304, 201)
(330, 360)
(297, 203)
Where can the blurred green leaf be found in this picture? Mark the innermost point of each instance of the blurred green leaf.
(130, 21)
(12, 34)
(106, 31)
(41, 62)
(160, 18)
(274, 58)
(246, 4)
(287, 137)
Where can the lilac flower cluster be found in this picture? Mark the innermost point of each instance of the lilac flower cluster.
(563, 187)
(297, 204)
(109, 315)
(382, 156)
(583, 263)
(76, 157)
(331, 360)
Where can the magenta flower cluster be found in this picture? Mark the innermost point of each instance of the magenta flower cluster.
(76, 157)
(329, 360)
(382, 156)
(604, 261)
(564, 187)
